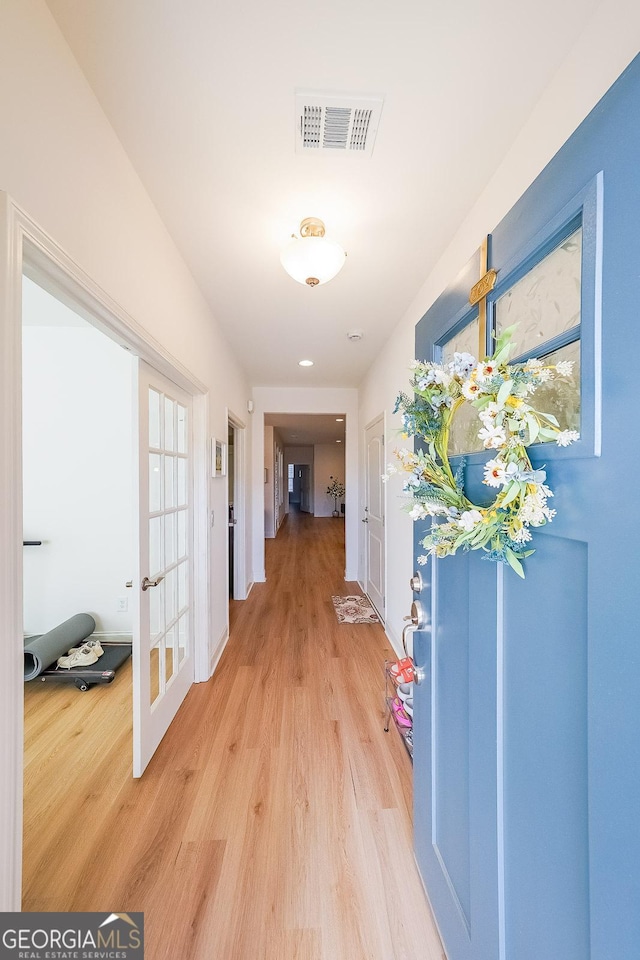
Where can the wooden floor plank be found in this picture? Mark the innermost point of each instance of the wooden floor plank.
(274, 822)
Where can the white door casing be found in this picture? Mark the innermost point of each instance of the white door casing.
(374, 537)
(240, 587)
(25, 247)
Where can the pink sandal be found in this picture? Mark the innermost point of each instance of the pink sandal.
(401, 717)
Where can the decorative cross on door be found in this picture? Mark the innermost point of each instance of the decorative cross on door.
(478, 294)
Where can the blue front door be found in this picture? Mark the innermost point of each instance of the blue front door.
(527, 722)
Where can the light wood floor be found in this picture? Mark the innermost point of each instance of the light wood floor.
(274, 822)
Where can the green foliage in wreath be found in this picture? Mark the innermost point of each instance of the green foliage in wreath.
(502, 394)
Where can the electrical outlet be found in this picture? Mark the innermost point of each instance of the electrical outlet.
(122, 605)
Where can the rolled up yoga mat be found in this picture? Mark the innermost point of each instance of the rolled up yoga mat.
(41, 652)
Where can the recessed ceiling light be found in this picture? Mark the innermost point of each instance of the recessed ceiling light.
(339, 419)
(305, 363)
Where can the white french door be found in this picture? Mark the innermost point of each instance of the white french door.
(163, 651)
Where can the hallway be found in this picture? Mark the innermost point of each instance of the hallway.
(274, 822)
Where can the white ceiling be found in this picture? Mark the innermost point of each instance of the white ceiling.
(300, 429)
(201, 95)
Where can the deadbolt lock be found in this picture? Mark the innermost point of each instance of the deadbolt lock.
(416, 583)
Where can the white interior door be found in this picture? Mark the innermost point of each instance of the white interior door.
(163, 651)
(374, 516)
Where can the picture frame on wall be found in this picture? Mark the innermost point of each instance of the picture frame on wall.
(218, 458)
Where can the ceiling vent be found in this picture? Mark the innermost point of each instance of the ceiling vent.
(336, 123)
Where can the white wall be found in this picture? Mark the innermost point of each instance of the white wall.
(608, 43)
(78, 478)
(328, 462)
(339, 401)
(63, 164)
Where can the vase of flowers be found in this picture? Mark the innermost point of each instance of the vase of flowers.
(335, 490)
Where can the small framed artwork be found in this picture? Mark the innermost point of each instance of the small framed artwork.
(218, 458)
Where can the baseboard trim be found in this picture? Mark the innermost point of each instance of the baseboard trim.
(395, 641)
(217, 653)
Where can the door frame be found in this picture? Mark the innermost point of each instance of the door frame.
(26, 247)
(382, 419)
(240, 591)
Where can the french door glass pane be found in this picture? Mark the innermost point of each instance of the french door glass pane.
(182, 533)
(562, 397)
(154, 419)
(182, 482)
(183, 636)
(156, 666)
(169, 416)
(169, 483)
(546, 301)
(171, 595)
(464, 341)
(463, 437)
(465, 427)
(169, 655)
(183, 599)
(182, 428)
(155, 482)
(156, 610)
(169, 539)
(155, 546)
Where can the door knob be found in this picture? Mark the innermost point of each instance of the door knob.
(146, 583)
(419, 674)
(416, 620)
(405, 629)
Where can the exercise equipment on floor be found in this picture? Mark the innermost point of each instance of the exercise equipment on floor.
(41, 654)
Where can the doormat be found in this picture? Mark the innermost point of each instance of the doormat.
(354, 610)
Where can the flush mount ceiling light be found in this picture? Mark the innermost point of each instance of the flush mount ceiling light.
(305, 363)
(311, 258)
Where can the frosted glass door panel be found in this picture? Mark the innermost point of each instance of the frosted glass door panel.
(546, 301)
(464, 341)
(561, 397)
(463, 437)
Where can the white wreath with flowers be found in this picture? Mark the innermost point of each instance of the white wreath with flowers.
(502, 395)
